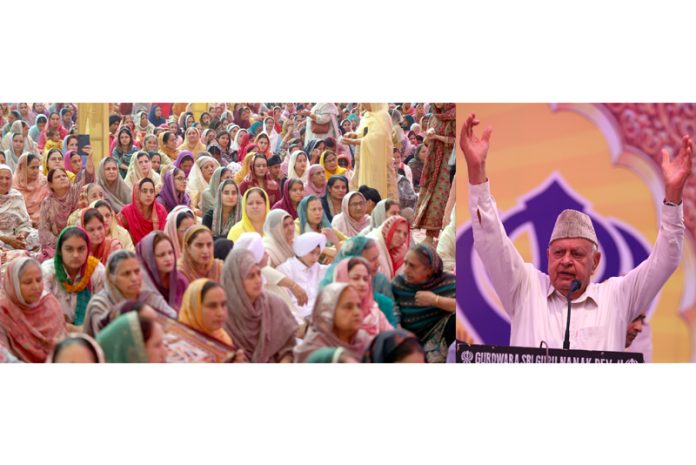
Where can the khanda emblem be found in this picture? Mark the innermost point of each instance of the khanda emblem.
(622, 250)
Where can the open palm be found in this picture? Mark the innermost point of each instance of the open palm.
(475, 149)
(676, 171)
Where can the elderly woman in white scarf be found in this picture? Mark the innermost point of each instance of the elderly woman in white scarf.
(16, 231)
(199, 178)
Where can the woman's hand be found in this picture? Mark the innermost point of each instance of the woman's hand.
(330, 235)
(14, 242)
(426, 299)
(89, 165)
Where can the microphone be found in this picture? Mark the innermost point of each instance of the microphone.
(574, 286)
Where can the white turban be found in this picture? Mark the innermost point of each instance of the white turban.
(305, 243)
(253, 242)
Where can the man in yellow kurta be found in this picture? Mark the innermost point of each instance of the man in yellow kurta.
(373, 164)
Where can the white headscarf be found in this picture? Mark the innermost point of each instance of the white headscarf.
(291, 167)
(196, 180)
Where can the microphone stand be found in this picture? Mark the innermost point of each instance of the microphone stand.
(574, 286)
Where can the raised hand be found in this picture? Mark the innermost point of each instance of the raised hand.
(475, 149)
(675, 172)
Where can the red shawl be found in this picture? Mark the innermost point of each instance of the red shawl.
(388, 229)
(138, 225)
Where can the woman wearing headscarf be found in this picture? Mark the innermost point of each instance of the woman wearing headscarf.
(53, 123)
(360, 246)
(39, 125)
(54, 159)
(15, 150)
(393, 239)
(417, 163)
(16, 230)
(311, 217)
(192, 142)
(336, 322)
(255, 207)
(30, 318)
(133, 338)
(156, 254)
(113, 229)
(316, 181)
(73, 275)
(143, 214)
(173, 193)
(298, 166)
(242, 115)
(143, 127)
(167, 147)
(140, 167)
(72, 162)
(383, 210)
(77, 348)
(356, 272)
(279, 230)
(124, 149)
(352, 218)
(123, 282)
(222, 141)
(240, 175)
(201, 174)
(115, 189)
(204, 308)
(368, 249)
(426, 295)
(208, 195)
(260, 323)
(197, 258)
(178, 221)
(239, 141)
(293, 193)
(60, 203)
(227, 209)
(263, 145)
(394, 346)
(259, 176)
(329, 161)
(435, 180)
(33, 185)
(20, 127)
(313, 149)
(374, 166)
(184, 162)
(101, 246)
(155, 117)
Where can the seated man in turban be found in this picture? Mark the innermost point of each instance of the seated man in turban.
(536, 302)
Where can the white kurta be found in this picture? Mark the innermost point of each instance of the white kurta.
(308, 279)
(538, 312)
